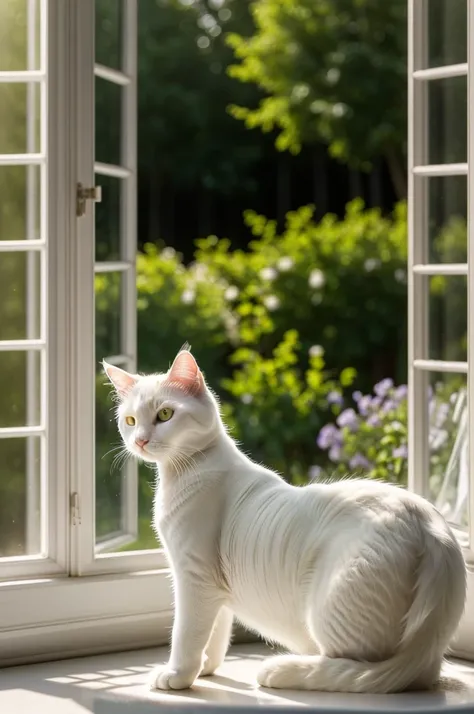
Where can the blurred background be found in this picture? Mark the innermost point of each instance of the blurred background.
(272, 229)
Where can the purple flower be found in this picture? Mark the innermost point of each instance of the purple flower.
(363, 405)
(401, 392)
(348, 418)
(400, 452)
(328, 436)
(356, 396)
(359, 461)
(388, 406)
(335, 453)
(373, 420)
(382, 388)
(335, 398)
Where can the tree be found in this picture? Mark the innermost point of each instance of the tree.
(334, 71)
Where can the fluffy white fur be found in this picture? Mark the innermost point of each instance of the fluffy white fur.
(364, 583)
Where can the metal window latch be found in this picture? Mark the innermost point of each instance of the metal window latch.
(83, 194)
(75, 509)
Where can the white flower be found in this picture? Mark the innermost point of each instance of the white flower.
(371, 264)
(285, 263)
(316, 351)
(168, 253)
(231, 293)
(268, 274)
(400, 275)
(332, 75)
(271, 302)
(188, 297)
(246, 398)
(316, 279)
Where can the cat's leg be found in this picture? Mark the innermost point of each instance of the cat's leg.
(219, 643)
(196, 612)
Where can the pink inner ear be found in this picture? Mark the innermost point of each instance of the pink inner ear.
(122, 380)
(185, 374)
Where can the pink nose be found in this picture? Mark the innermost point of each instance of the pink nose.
(141, 442)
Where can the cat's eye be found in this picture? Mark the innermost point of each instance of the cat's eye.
(165, 414)
(130, 421)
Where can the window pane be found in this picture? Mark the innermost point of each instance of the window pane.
(19, 389)
(20, 202)
(108, 33)
(447, 219)
(115, 529)
(16, 101)
(20, 497)
(107, 219)
(449, 474)
(448, 317)
(447, 32)
(447, 113)
(19, 19)
(108, 288)
(19, 296)
(109, 459)
(108, 113)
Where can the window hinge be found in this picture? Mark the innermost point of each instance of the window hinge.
(83, 194)
(75, 509)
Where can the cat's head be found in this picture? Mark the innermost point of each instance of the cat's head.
(168, 416)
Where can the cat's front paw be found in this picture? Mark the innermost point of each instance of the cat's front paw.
(162, 677)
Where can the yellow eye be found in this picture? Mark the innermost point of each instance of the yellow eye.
(165, 414)
(130, 421)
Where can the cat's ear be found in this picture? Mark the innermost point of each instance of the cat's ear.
(185, 374)
(120, 379)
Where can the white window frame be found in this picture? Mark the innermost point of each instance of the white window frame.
(418, 265)
(123, 600)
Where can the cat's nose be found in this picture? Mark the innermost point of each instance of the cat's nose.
(141, 442)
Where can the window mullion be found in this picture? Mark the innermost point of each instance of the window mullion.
(470, 254)
(417, 250)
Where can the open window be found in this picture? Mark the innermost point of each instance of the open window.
(441, 259)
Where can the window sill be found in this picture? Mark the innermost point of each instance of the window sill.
(56, 618)
(116, 684)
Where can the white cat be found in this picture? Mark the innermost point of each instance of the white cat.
(364, 583)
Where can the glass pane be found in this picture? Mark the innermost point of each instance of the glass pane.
(19, 296)
(19, 389)
(18, 21)
(448, 317)
(16, 102)
(108, 33)
(449, 473)
(20, 191)
(109, 464)
(20, 522)
(107, 314)
(447, 112)
(447, 32)
(107, 219)
(447, 219)
(108, 112)
(113, 474)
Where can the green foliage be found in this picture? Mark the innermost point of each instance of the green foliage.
(338, 283)
(277, 407)
(334, 71)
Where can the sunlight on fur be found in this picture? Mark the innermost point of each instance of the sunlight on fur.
(363, 583)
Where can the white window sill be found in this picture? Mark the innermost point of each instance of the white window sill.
(116, 684)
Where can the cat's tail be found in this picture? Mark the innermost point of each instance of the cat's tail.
(430, 624)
